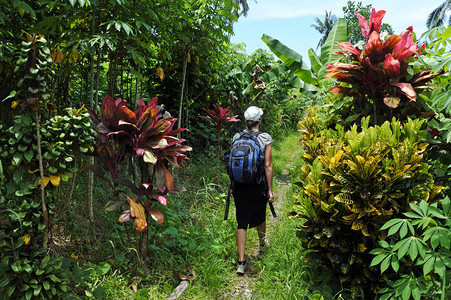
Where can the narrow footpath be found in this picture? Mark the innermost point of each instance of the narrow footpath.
(243, 286)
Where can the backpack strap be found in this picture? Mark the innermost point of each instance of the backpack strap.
(252, 134)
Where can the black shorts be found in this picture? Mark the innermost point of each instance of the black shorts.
(250, 203)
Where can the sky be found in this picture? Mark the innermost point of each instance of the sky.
(290, 21)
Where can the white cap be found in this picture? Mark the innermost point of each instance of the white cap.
(253, 113)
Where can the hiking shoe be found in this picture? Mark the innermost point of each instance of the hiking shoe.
(263, 246)
(240, 269)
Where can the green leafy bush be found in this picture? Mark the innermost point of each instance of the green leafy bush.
(354, 182)
(25, 271)
(418, 249)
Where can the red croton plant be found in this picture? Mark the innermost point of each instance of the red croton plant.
(145, 136)
(219, 117)
(380, 71)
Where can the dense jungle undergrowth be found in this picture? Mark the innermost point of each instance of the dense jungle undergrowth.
(194, 243)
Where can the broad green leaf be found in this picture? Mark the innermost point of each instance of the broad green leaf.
(113, 205)
(291, 59)
(29, 155)
(53, 278)
(402, 247)
(391, 223)
(395, 263)
(378, 251)
(403, 230)
(127, 28)
(37, 290)
(428, 264)
(27, 268)
(406, 292)
(45, 261)
(438, 236)
(413, 250)
(394, 228)
(377, 259)
(446, 205)
(39, 272)
(315, 61)
(384, 244)
(435, 212)
(416, 208)
(424, 207)
(385, 263)
(117, 25)
(416, 293)
(15, 266)
(386, 296)
(339, 33)
(440, 267)
(412, 215)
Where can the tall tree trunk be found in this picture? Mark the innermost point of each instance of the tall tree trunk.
(136, 86)
(90, 182)
(112, 75)
(129, 86)
(182, 92)
(41, 173)
(96, 101)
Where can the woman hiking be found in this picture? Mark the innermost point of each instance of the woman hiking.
(251, 198)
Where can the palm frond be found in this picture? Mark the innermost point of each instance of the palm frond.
(437, 16)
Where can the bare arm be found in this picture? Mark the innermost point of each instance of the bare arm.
(268, 171)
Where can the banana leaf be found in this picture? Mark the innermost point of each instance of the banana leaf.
(292, 60)
(337, 34)
(281, 71)
(315, 61)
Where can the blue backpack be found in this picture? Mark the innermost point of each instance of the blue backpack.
(243, 160)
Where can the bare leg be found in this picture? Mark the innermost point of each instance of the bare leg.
(261, 231)
(241, 235)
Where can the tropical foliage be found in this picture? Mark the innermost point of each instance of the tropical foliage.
(145, 137)
(382, 75)
(361, 186)
(422, 239)
(309, 77)
(324, 27)
(353, 182)
(219, 117)
(438, 16)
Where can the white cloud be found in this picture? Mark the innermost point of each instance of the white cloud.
(283, 9)
(400, 14)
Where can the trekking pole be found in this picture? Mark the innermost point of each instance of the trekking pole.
(271, 206)
(272, 210)
(226, 214)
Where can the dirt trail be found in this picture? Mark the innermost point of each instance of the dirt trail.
(243, 285)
